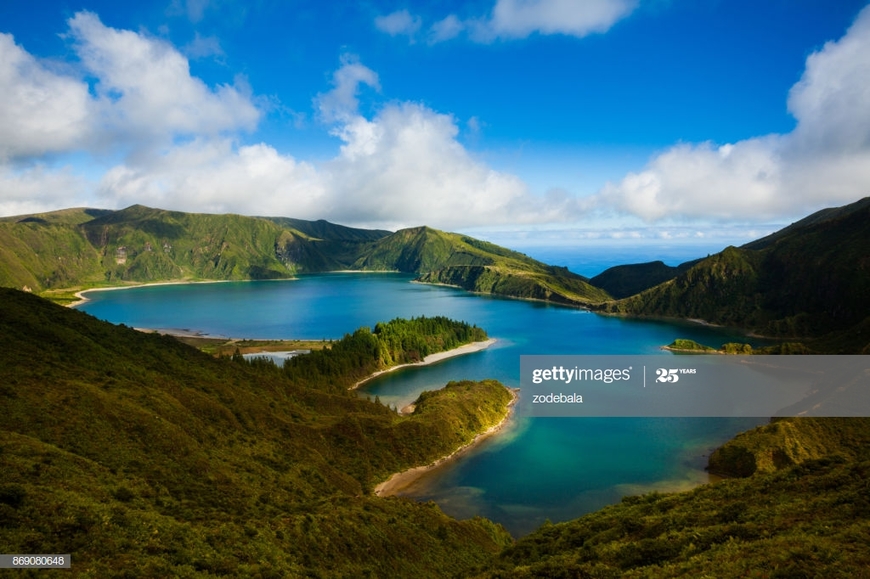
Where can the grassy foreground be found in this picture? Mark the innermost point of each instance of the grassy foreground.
(144, 457)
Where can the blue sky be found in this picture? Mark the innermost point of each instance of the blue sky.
(524, 121)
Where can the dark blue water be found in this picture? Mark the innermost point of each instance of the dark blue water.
(537, 469)
(590, 260)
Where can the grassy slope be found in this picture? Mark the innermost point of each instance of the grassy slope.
(185, 245)
(72, 216)
(80, 247)
(131, 444)
(811, 280)
(325, 246)
(475, 265)
(622, 281)
(808, 516)
(43, 254)
(145, 457)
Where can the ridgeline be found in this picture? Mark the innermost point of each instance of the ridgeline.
(808, 282)
(83, 248)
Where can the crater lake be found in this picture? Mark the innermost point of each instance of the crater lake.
(535, 469)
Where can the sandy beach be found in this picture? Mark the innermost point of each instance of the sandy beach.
(82, 298)
(402, 480)
(433, 358)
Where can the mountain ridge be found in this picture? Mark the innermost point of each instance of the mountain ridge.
(807, 281)
(81, 248)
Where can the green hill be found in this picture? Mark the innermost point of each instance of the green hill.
(809, 280)
(78, 248)
(144, 244)
(478, 266)
(144, 457)
(622, 281)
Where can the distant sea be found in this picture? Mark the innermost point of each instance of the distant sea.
(589, 261)
(539, 468)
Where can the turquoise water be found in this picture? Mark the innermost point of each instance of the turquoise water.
(538, 468)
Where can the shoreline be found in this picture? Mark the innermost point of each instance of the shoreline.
(82, 298)
(582, 306)
(432, 359)
(401, 480)
(687, 351)
(188, 333)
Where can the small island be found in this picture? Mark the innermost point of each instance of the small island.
(684, 346)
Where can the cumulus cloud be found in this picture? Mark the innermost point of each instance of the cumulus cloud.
(144, 99)
(40, 111)
(39, 188)
(341, 103)
(144, 94)
(215, 175)
(402, 165)
(825, 160)
(145, 88)
(703, 181)
(405, 166)
(398, 23)
(521, 18)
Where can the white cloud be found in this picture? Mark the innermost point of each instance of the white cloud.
(824, 161)
(145, 88)
(144, 94)
(145, 99)
(512, 19)
(830, 100)
(521, 18)
(214, 175)
(40, 111)
(39, 188)
(403, 165)
(398, 23)
(704, 181)
(341, 103)
(406, 167)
